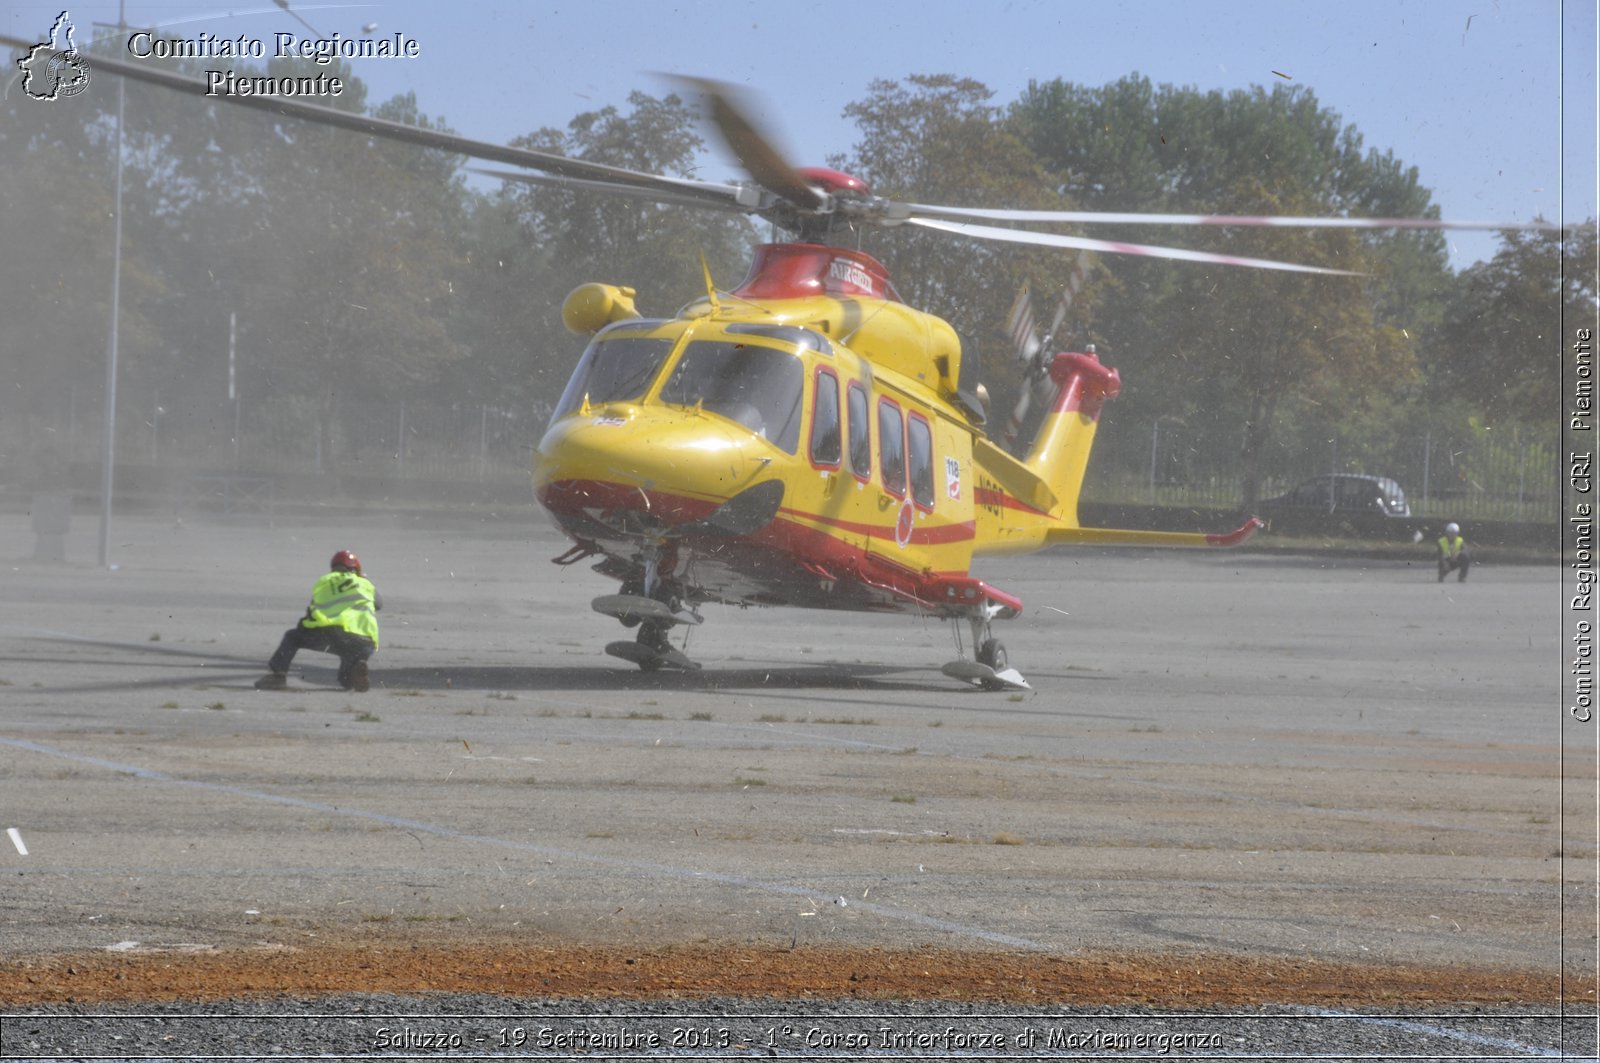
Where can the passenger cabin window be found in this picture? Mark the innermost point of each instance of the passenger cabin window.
(759, 387)
(920, 436)
(826, 434)
(615, 369)
(860, 429)
(891, 447)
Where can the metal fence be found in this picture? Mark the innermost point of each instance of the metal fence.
(285, 437)
(1470, 475)
(405, 440)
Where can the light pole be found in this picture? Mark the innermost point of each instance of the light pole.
(108, 445)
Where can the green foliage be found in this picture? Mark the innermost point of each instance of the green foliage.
(1240, 353)
(1477, 462)
(652, 248)
(531, 245)
(355, 271)
(1500, 348)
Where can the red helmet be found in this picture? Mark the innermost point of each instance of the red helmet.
(347, 561)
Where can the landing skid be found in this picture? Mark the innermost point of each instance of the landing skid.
(634, 609)
(654, 617)
(649, 659)
(981, 675)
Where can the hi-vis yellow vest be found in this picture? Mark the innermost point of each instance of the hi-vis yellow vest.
(344, 600)
(1451, 547)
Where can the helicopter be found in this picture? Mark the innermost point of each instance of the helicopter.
(805, 439)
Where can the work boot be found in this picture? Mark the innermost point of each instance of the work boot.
(273, 681)
(360, 681)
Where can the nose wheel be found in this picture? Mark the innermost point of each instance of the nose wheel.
(993, 654)
(655, 612)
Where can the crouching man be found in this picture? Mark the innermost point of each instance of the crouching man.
(1453, 553)
(342, 619)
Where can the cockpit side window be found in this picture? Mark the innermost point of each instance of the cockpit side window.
(614, 370)
(759, 387)
(826, 429)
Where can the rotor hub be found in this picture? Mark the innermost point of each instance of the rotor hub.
(835, 182)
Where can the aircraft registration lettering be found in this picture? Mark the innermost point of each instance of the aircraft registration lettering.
(611, 422)
(989, 496)
(841, 269)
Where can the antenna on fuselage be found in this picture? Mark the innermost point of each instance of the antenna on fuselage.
(711, 288)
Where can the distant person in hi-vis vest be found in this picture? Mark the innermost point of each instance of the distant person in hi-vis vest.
(1453, 553)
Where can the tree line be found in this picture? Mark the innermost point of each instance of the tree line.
(363, 271)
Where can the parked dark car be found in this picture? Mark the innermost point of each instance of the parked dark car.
(1337, 500)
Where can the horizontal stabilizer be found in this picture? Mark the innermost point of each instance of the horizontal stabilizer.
(1013, 477)
(1120, 537)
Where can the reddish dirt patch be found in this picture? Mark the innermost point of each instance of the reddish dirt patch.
(685, 972)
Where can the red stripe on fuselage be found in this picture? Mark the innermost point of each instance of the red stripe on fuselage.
(789, 536)
(579, 496)
(935, 536)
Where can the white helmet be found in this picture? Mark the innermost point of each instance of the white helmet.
(1452, 528)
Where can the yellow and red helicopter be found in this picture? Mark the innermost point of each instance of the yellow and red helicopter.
(805, 439)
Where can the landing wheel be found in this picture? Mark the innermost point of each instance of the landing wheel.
(993, 654)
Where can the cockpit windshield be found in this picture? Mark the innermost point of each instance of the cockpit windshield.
(614, 369)
(757, 386)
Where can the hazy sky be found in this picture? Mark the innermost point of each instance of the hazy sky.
(1484, 97)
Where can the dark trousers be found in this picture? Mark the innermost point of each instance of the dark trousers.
(352, 649)
(1461, 562)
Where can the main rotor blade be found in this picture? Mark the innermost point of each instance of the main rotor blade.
(292, 107)
(1024, 236)
(755, 151)
(658, 195)
(1089, 217)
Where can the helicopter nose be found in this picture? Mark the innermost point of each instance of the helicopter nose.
(672, 467)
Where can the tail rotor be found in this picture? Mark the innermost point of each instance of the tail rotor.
(1032, 350)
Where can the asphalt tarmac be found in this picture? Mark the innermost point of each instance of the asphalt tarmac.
(1222, 753)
